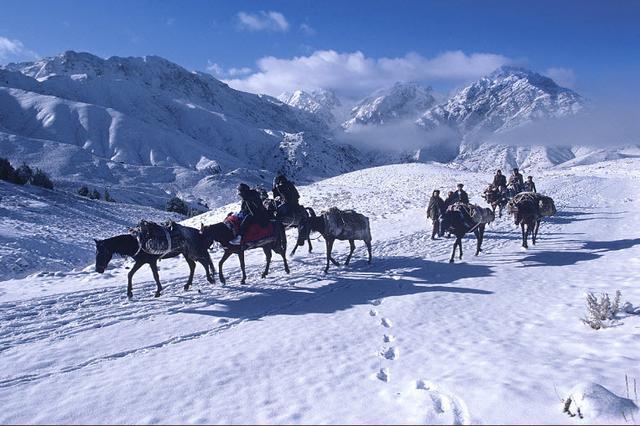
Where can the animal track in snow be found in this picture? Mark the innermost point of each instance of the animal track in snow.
(373, 312)
(388, 338)
(376, 302)
(391, 353)
(449, 409)
(386, 322)
(384, 374)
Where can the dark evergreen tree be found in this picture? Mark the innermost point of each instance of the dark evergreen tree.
(7, 172)
(177, 205)
(107, 196)
(24, 174)
(40, 178)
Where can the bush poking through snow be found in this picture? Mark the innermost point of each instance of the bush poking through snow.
(592, 401)
(177, 205)
(601, 312)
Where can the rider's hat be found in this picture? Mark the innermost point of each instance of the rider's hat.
(243, 187)
(460, 185)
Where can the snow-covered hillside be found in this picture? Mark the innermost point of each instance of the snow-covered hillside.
(152, 121)
(321, 103)
(491, 339)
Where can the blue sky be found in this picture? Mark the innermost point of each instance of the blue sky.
(593, 47)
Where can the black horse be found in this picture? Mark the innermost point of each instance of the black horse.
(127, 245)
(219, 232)
(528, 209)
(496, 198)
(290, 220)
(459, 223)
(336, 224)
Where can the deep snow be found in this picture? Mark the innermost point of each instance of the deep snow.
(491, 339)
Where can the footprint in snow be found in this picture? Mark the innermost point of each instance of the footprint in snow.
(388, 338)
(384, 374)
(373, 312)
(391, 353)
(376, 302)
(386, 322)
(448, 408)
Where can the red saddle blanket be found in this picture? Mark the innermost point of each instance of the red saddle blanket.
(256, 232)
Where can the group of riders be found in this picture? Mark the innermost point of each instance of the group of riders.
(499, 188)
(258, 208)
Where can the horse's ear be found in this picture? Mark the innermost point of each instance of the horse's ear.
(96, 240)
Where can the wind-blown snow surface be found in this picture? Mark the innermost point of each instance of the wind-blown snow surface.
(486, 340)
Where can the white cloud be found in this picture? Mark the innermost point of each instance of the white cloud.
(14, 50)
(220, 72)
(307, 29)
(263, 21)
(354, 74)
(563, 76)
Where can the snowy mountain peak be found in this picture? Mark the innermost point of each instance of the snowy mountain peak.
(402, 100)
(318, 102)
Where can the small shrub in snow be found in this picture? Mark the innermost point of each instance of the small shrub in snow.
(107, 196)
(24, 174)
(177, 205)
(214, 169)
(40, 178)
(601, 311)
(83, 191)
(94, 195)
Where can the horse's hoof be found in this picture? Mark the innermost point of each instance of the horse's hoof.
(243, 282)
(287, 270)
(450, 260)
(130, 295)
(186, 287)
(326, 270)
(157, 294)
(211, 280)
(264, 275)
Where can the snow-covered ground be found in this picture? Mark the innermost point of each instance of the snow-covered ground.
(490, 339)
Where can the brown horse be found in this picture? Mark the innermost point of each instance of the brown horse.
(496, 199)
(528, 208)
(221, 233)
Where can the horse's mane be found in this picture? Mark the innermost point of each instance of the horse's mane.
(123, 245)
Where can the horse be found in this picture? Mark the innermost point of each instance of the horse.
(221, 233)
(460, 219)
(496, 198)
(127, 245)
(335, 224)
(290, 220)
(528, 208)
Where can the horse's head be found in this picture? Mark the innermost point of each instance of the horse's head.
(491, 216)
(547, 206)
(445, 222)
(103, 256)
(217, 232)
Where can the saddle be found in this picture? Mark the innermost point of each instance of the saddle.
(254, 235)
(158, 239)
(545, 204)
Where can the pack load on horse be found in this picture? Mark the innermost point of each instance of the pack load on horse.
(528, 208)
(496, 197)
(335, 224)
(460, 219)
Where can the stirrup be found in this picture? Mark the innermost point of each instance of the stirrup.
(236, 241)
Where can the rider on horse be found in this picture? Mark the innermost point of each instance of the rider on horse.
(251, 210)
(286, 192)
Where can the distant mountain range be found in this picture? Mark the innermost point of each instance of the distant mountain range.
(147, 128)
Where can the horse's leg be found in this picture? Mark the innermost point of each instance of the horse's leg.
(133, 270)
(295, 247)
(524, 235)
(329, 243)
(244, 273)
(453, 253)
(283, 253)
(535, 231)
(460, 245)
(267, 255)
(207, 263)
(310, 246)
(192, 269)
(352, 247)
(368, 244)
(154, 269)
(225, 256)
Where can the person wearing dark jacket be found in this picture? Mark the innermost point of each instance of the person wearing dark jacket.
(461, 195)
(286, 190)
(434, 211)
(499, 180)
(449, 200)
(530, 185)
(251, 208)
(516, 181)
